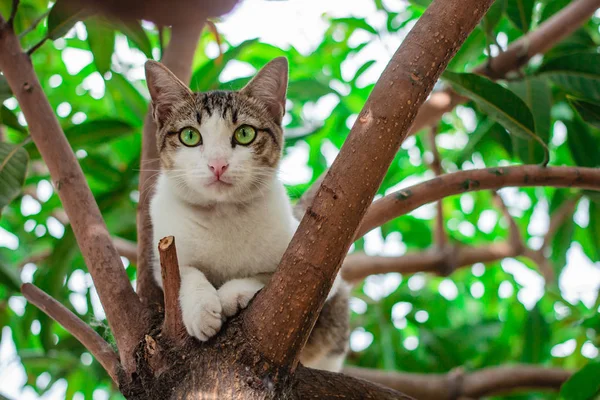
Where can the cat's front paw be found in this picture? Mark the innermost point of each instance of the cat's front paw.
(237, 293)
(202, 313)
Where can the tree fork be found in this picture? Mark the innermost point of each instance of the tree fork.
(124, 311)
(301, 283)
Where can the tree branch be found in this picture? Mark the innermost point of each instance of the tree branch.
(440, 237)
(173, 327)
(514, 234)
(76, 327)
(308, 268)
(178, 58)
(559, 217)
(406, 200)
(123, 309)
(456, 384)
(318, 384)
(516, 55)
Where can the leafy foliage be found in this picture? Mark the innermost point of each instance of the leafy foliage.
(478, 317)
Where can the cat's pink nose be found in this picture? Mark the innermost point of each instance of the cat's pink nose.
(218, 167)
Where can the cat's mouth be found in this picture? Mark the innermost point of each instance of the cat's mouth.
(219, 183)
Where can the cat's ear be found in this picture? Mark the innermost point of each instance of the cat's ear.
(166, 90)
(270, 85)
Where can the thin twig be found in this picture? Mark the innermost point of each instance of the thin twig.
(440, 235)
(173, 327)
(563, 212)
(514, 234)
(99, 348)
(37, 46)
(13, 12)
(34, 24)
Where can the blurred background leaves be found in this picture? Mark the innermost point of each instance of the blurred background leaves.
(500, 313)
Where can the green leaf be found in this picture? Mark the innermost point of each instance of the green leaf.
(356, 23)
(63, 16)
(8, 118)
(134, 32)
(92, 133)
(520, 12)
(589, 112)
(537, 338)
(5, 91)
(552, 7)
(580, 140)
(101, 39)
(536, 93)
(578, 74)
(9, 277)
(584, 384)
(207, 76)
(594, 226)
(493, 16)
(13, 168)
(499, 103)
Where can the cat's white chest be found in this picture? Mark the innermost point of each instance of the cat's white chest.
(228, 242)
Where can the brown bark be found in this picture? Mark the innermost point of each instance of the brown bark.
(123, 309)
(185, 12)
(301, 283)
(75, 326)
(475, 384)
(173, 323)
(406, 200)
(178, 58)
(358, 266)
(516, 55)
(439, 236)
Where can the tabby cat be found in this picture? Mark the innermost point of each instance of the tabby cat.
(219, 195)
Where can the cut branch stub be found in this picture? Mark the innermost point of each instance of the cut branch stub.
(76, 327)
(173, 327)
(309, 266)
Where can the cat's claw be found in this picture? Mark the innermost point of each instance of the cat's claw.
(202, 314)
(236, 294)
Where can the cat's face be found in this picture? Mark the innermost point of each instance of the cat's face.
(219, 146)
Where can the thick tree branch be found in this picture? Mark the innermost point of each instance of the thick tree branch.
(317, 384)
(178, 58)
(516, 55)
(76, 327)
(173, 323)
(456, 384)
(123, 309)
(406, 200)
(308, 268)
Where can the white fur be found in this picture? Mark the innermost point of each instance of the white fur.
(333, 363)
(214, 233)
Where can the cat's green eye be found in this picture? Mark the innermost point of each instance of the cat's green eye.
(190, 137)
(244, 135)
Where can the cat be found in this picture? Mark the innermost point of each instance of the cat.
(219, 195)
